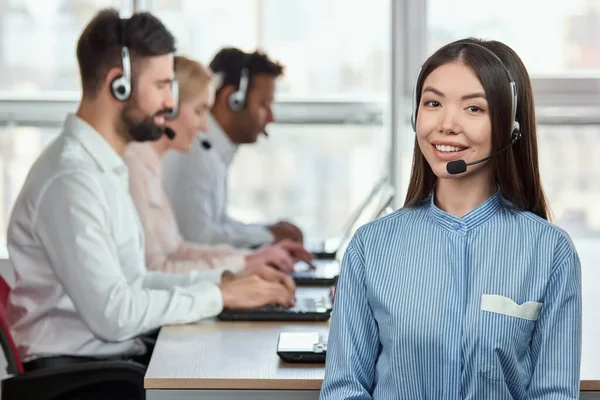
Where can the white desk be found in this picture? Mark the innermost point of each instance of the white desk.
(238, 360)
(230, 360)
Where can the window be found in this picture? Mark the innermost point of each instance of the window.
(329, 152)
(329, 148)
(322, 173)
(330, 48)
(202, 27)
(570, 30)
(566, 160)
(19, 148)
(566, 81)
(319, 182)
(38, 41)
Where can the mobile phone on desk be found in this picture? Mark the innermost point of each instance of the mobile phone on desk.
(302, 347)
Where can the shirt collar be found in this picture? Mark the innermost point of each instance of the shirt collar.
(145, 153)
(472, 220)
(96, 146)
(220, 142)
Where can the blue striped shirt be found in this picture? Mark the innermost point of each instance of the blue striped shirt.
(430, 306)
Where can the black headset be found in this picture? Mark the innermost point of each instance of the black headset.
(516, 127)
(120, 87)
(174, 112)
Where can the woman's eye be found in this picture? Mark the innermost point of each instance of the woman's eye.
(432, 103)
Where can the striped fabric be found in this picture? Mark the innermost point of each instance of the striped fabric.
(409, 321)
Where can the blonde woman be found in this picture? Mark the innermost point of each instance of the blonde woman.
(165, 248)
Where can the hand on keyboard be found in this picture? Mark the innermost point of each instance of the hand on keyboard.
(251, 291)
(271, 255)
(297, 251)
(270, 274)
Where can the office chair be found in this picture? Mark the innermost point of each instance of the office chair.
(50, 383)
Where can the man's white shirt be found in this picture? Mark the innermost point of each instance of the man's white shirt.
(196, 184)
(76, 246)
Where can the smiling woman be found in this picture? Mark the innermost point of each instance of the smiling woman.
(469, 101)
(473, 108)
(502, 315)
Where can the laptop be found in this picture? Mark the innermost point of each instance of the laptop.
(377, 203)
(325, 273)
(302, 347)
(306, 309)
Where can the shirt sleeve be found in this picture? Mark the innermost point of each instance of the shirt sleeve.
(206, 257)
(248, 235)
(188, 258)
(353, 344)
(73, 225)
(192, 181)
(556, 344)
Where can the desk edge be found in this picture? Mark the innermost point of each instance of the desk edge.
(588, 386)
(268, 384)
(224, 384)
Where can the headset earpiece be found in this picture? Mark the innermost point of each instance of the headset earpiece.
(174, 112)
(516, 135)
(120, 87)
(237, 99)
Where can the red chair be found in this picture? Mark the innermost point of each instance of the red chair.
(50, 383)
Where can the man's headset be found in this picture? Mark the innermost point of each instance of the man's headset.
(120, 86)
(237, 99)
(174, 112)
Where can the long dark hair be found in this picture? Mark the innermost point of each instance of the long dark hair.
(516, 171)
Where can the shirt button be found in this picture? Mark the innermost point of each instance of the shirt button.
(457, 226)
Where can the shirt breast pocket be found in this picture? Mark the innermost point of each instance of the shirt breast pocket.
(505, 333)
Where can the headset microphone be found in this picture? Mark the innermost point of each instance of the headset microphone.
(173, 112)
(170, 133)
(206, 144)
(460, 166)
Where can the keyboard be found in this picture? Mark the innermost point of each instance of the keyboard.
(305, 309)
(302, 305)
(325, 274)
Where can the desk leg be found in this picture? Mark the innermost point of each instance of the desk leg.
(232, 394)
